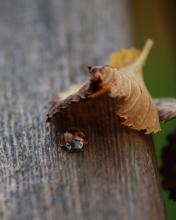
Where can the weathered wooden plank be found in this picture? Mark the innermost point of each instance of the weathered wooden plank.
(119, 164)
(45, 46)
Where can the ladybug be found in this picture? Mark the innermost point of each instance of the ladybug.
(73, 139)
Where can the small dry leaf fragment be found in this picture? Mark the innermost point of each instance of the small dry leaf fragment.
(166, 108)
(123, 58)
(60, 105)
(74, 88)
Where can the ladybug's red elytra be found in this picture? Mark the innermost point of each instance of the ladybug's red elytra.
(73, 139)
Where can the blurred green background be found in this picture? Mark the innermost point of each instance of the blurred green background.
(156, 20)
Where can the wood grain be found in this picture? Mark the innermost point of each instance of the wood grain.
(44, 47)
(119, 164)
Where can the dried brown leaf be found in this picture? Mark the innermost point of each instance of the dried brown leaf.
(135, 104)
(166, 108)
(60, 105)
(74, 88)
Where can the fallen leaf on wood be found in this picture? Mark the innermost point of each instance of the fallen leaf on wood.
(134, 104)
(72, 90)
(166, 108)
(60, 105)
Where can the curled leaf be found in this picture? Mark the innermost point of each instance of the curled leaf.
(134, 102)
(166, 108)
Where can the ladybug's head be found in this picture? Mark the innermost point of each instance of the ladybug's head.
(74, 144)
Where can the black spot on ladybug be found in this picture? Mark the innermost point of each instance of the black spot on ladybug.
(79, 135)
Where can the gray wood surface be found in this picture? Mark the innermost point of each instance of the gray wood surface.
(44, 47)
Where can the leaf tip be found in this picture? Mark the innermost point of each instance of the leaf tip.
(149, 43)
(89, 68)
